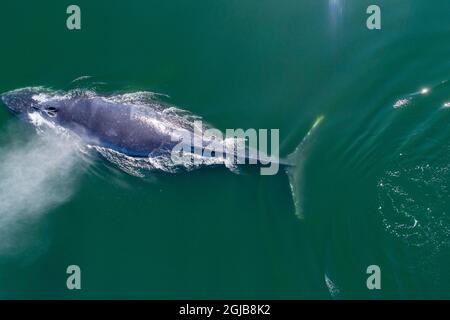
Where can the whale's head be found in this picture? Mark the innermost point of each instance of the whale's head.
(20, 101)
(24, 101)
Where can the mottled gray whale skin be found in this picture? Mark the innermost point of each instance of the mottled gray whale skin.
(98, 121)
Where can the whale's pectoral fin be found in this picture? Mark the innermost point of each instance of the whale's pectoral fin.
(295, 168)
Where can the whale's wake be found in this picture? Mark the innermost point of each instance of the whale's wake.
(35, 176)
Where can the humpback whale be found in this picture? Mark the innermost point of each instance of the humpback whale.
(96, 121)
(136, 128)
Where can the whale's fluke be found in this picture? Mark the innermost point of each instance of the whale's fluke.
(295, 170)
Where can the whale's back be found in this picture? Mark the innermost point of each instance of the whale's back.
(122, 127)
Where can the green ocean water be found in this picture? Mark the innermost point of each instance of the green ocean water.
(376, 179)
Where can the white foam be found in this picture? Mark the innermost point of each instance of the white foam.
(332, 287)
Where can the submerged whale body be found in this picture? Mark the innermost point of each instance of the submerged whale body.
(133, 125)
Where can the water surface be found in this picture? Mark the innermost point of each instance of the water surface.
(375, 181)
